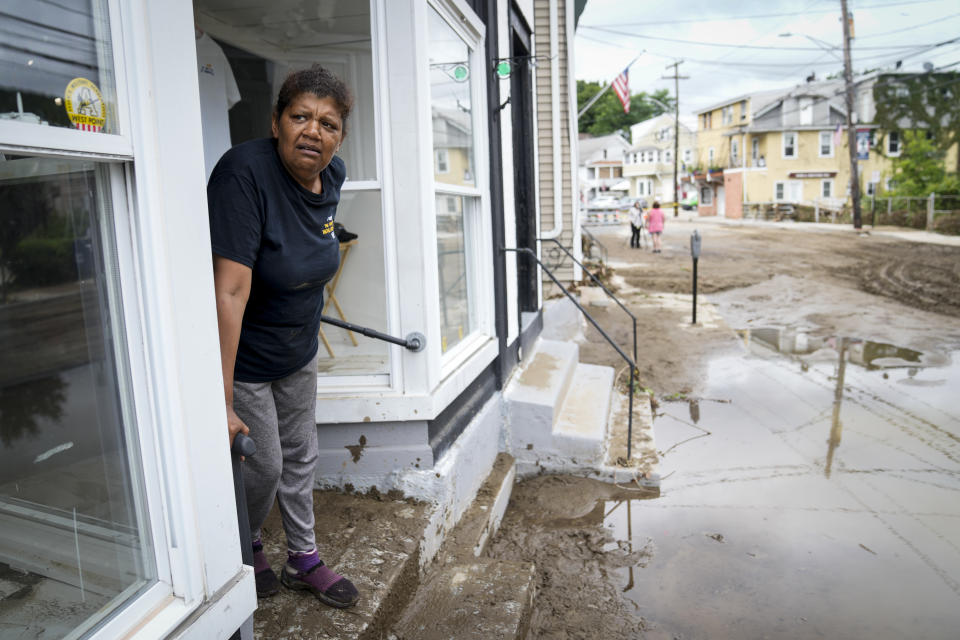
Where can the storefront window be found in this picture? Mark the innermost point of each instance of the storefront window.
(451, 83)
(75, 543)
(56, 65)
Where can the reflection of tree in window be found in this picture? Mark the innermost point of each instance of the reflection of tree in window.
(23, 405)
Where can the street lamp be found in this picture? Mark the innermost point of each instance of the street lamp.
(826, 46)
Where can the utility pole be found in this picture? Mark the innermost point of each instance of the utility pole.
(851, 127)
(676, 77)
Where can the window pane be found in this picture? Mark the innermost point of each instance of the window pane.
(56, 65)
(450, 84)
(258, 44)
(453, 260)
(75, 544)
(359, 290)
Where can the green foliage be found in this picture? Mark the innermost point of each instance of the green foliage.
(926, 101)
(920, 168)
(606, 115)
(38, 262)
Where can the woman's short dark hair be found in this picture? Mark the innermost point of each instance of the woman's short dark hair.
(321, 83)
(656, 204)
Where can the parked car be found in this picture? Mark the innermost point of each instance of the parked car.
(604, 202)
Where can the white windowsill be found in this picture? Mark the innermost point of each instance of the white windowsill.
(395, 406)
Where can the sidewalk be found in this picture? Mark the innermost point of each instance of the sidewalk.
(911, 235)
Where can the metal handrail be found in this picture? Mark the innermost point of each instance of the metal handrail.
(607, 291)
(632, 364)
(414, 341)
(603, 249)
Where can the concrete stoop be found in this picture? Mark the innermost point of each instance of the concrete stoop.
(558, 410)
(375, 542)
(463, 596)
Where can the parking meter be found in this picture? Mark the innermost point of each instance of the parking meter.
(695, 254)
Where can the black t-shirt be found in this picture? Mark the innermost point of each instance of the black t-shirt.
(262, 218)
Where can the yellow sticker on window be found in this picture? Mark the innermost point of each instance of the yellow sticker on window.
(84, 105)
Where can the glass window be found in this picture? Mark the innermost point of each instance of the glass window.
(893, 143)
(456, 311)
(826, 144)
(826, 188)
(706, 196)
(75, 534)
(778, 191)
(789, 145)
(56, 65)
(451, 104)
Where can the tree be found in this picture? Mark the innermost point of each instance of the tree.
(920, 170)
(606, 115)
(929, 101)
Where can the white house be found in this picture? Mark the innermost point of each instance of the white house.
(648, 164)
(116, 485)
(600, 163)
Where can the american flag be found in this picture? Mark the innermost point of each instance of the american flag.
(837, 135)
(621, 85)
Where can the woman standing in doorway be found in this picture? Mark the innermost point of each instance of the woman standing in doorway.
(655, 220)
(272, 207)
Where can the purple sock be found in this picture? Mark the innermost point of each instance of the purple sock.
(260, 562)
(303, 562)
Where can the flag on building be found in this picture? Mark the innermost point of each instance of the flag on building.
(837, 135)
(621, 85)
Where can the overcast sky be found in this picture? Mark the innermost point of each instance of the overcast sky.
(609, 37)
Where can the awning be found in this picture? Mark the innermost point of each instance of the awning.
(623, 185)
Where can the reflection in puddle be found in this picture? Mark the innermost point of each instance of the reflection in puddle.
(799, 501)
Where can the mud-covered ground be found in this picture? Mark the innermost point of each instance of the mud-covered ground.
(824, 284)
(786, 276)
(556, 522)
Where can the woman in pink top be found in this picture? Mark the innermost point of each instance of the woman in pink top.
(655, 225)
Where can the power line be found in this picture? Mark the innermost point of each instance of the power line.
(916, 26)
(734, 46)
(750, 17)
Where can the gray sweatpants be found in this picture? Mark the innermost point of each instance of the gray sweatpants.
(282, 420)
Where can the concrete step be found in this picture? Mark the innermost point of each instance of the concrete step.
(535, 395)
(480, 522)
(373, 540)
(481, 600)
(581, 429)
(463, 596)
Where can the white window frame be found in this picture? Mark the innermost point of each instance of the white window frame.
(826, 188)
(890, 152)
(820, 139)
(783, 145)
(734, 151)
(477, 231)
(779, 191)
(711, 156)
(190, 570)
(687, 155)
(443, 161)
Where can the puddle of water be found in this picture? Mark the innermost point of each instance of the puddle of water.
(814, 492)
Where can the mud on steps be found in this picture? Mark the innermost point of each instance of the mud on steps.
(464, 596)
(372, 539)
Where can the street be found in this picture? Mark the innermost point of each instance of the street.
(807, 438)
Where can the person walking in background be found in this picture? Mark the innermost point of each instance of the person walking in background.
(636, 225)
(655, 220)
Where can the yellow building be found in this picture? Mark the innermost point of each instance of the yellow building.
(787, 147)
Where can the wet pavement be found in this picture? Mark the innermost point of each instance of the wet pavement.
(813, 492)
